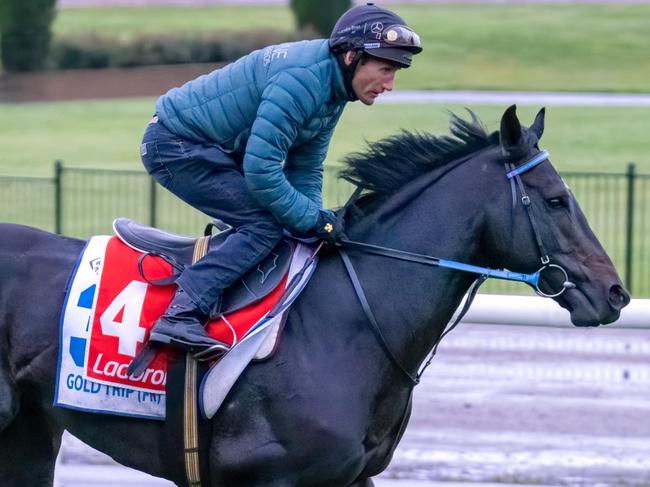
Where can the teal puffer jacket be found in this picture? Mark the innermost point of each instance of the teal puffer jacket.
(276, 108)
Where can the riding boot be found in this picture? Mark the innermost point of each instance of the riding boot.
(182, 326)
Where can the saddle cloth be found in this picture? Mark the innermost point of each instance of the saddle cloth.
(108, 312)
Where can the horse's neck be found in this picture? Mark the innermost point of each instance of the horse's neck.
(412, 301)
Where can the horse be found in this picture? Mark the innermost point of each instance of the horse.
(330, 406)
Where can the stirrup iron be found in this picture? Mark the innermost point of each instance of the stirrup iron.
(211, 353)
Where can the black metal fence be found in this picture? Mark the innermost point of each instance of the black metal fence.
(83, 202)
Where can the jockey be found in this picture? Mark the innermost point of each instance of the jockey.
(246, 144)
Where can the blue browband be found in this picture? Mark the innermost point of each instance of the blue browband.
(539, 158)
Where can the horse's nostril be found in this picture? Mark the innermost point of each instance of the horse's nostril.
(618, 297)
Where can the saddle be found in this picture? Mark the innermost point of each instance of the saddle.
(179, 251)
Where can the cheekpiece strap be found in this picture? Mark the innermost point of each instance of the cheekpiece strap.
(538, 159)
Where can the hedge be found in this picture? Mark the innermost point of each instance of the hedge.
(25, 32)
(310, 14)
(89, 52)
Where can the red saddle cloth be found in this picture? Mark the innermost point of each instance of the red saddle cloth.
(127, 307)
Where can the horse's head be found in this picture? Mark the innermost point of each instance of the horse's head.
(547, 229)
(497, 202)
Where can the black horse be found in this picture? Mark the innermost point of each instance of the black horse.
(330, 406)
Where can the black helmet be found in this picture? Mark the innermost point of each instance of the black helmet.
(376, 31)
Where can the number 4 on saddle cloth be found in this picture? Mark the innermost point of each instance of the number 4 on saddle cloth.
(113, 301)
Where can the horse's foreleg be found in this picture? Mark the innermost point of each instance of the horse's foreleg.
(28, 449)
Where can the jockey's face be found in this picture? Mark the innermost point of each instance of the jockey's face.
(372, 77)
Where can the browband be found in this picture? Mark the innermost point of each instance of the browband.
(539, 158)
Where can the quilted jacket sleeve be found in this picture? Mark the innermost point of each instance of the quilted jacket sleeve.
(304, 168)
(290, 99)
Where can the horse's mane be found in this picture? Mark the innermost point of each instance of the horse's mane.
(389, 164)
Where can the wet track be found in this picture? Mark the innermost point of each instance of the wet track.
(505, 405)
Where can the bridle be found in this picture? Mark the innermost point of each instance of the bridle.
(513, 173)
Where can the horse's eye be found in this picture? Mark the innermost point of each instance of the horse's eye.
(555, 203)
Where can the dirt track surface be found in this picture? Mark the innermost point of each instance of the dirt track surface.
(518, 405)
(153, 81)
(87, 84)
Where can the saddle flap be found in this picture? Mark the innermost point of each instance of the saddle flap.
(259, 281)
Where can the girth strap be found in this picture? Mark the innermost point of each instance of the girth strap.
(190, 424)
(191, 435)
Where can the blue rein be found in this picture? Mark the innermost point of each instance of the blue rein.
(532, 279)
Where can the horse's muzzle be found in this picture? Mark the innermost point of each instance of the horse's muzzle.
(618, 297)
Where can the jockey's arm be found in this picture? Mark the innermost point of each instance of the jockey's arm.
(285, 107)
(304, 166)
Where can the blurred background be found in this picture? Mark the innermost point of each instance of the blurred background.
(78, 83)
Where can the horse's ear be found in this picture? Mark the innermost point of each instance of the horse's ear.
(538, 125)
(510, 133)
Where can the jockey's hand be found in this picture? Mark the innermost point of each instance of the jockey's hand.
(329, 227)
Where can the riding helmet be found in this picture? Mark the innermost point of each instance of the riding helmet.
(377, 32)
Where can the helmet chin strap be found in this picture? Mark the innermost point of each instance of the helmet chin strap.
(348, 71)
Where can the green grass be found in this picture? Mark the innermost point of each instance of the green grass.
(500, 47)
(106, 134)
(99, 134)
(532, 47)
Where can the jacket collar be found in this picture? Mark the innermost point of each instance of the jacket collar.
(342, 82)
